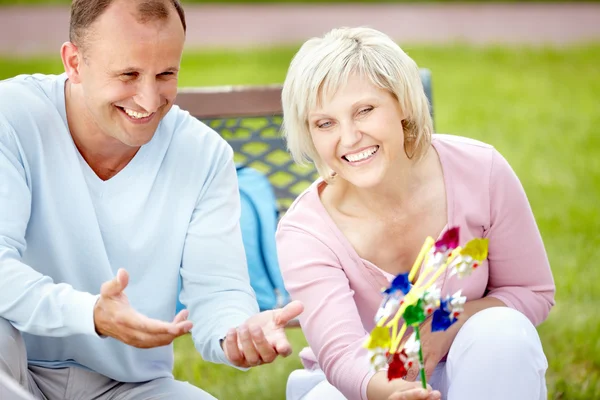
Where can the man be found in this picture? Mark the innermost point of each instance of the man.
(108, 194)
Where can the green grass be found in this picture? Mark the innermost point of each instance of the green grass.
(540, 109)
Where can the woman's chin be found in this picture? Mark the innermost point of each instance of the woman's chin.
(365, 181)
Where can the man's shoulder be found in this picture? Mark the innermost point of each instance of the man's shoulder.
(27, 85)
(25, 98)
(192, 136)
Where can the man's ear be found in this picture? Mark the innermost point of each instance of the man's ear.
(72, 59)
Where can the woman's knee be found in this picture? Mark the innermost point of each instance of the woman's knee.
(324, 390)
(306, 384)
(302, 381)
(497, 354)
(499, 332)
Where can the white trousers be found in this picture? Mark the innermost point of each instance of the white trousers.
(496, 355)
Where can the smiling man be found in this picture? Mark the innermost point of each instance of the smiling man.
(108, 195)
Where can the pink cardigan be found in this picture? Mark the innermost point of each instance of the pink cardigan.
(341, 292)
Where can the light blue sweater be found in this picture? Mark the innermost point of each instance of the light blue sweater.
(63, 232)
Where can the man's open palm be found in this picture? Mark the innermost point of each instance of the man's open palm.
(262, 337)
(114, 317)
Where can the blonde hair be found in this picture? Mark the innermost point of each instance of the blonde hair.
(323, 65)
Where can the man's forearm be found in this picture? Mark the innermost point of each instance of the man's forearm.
(35, 304)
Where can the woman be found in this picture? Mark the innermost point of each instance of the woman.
(354, 105)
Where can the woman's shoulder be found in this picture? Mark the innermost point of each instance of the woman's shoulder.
(464, 158)
(462, 145)
(470, 158)
(306, 212)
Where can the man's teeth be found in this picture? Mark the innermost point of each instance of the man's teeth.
(135, 114)
(362, 155)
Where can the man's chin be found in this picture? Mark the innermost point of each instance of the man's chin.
(133, 139)
(137, 136)
(137, 141)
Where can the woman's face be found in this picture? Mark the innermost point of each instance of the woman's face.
(358, 132)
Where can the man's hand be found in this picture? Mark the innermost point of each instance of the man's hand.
(261, 338)
(114, 317)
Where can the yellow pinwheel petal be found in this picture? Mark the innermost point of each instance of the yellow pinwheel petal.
(380, 337)
(476, 248)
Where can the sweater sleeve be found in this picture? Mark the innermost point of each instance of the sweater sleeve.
(31, 301)
(331, 323)
(520, 274)
(215, 282)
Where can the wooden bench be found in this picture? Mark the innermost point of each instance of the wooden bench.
(249, 118)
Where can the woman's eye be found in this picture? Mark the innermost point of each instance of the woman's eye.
(324, 125)
(365, 110)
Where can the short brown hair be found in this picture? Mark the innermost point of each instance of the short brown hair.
(85, 12)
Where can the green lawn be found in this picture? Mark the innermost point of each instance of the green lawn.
(540, 108)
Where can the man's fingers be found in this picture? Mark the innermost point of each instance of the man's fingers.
(117, 319)
(140, 323)
(146, 341)
(182, 325)
(282, 344)
(116, 285)
(265, 349)
(248, 350)
(182, 316)
(122, 278)
(288, 313)
(232, 349)
(182, 328)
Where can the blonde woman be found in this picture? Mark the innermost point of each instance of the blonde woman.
(354, 106)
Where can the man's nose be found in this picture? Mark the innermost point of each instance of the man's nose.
(148, 97)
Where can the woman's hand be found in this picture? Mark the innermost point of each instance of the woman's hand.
(416, 394)
(436, 345)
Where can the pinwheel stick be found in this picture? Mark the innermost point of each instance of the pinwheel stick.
(429, 242)
(421, 360)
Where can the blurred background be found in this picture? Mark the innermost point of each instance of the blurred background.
(522, 76)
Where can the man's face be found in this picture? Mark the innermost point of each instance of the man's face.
(129, 73)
